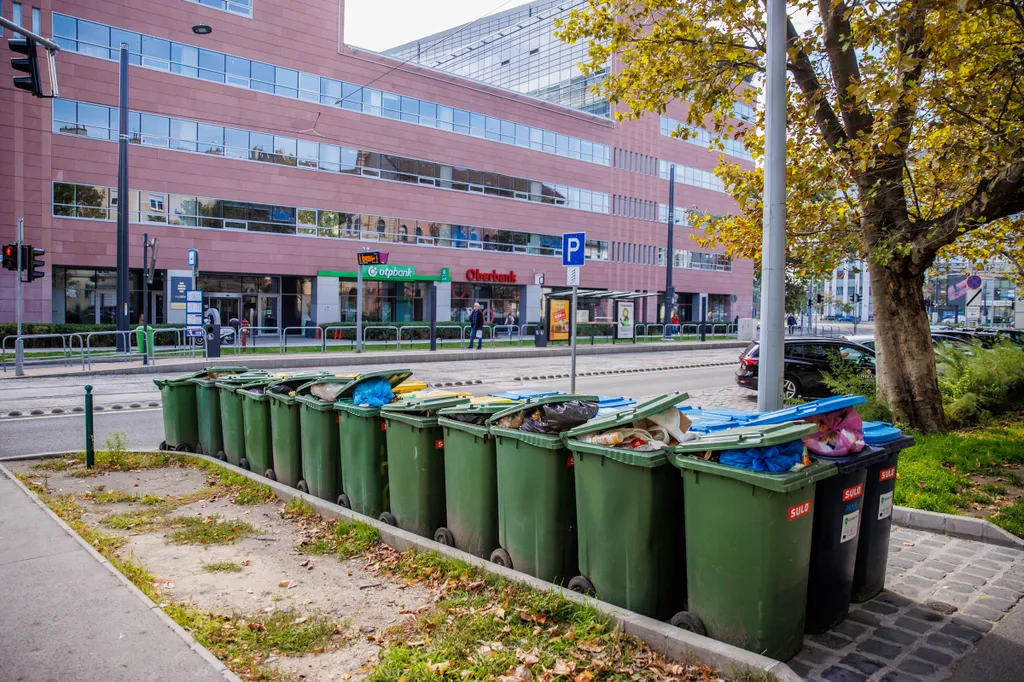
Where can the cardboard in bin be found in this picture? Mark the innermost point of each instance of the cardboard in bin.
(624, 419)
(332, 388)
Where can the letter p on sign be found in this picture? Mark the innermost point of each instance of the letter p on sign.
(573, 254)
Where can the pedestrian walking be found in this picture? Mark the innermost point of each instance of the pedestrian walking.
(476, 326)
(791, 323)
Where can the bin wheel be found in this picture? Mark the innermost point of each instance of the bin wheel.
(162, 446)
(199, 448)
(269, 473)
(183, 447)
(244, 463)
(685, 620)
(501, 557)
(302, 487)
(222, 456)
(582, 585)
(343, 501)
(388, 518)
(444, 536)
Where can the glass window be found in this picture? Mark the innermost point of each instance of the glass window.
(155, 130)
(307, 153)
(391, 105)
(95, 120)
(236, 143)
(261, 147)
(330, 157)
(133, 40)
(156, 53)
(285, 150)
(65, 31)
(211, 139)
(184, 60)
(330, 92)
(477, 125)
(93, 39)
(262, 76)
(182, 210)
(410, 110)
(309, 87)
(287, 82)
(461, 121)
(211, 66)
(236, 70)
(183, 135)
(351, 97)
(428, 114)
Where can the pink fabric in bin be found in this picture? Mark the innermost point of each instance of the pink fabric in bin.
(840, 433)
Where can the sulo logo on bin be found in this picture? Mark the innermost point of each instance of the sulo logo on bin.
(887, 474)
(853, 493)
(439, 445)
(798, 510)
(383, 426)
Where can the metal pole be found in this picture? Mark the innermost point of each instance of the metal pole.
(670, 293)
(89, 439)
(48, 44)
(145, 297)
(123, 205)
(19, 345)
(432, 312)
(572, 341)
(359, 308)
(773, 259)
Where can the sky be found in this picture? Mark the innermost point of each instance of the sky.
(381, 24)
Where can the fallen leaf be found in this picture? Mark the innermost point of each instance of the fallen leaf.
(499, 613)
(287, 583)
(584, 676)
(528, 658)
(591, 647)
(908, 544)
(564, 667)
(300, 621)
(439, 668)
(245, 563)
(305, 601)
(418, 642)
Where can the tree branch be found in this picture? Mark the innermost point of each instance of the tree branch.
(910, 39)
(845, 68)
(807, 80)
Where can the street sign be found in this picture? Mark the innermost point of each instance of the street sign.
(371, 258)
(193, 257)
(974, 282)
(573, 254)
(572, 276)
(194, 313)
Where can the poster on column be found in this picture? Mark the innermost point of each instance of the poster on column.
(558, 325)
(624, 316)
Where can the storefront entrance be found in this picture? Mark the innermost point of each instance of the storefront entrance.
(258, 310)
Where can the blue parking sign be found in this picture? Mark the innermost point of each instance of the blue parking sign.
(573, 254)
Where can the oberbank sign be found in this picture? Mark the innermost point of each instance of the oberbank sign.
(389, 272)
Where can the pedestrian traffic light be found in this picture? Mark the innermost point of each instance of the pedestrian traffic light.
(810, 302)
(853, 297)
(30, 260)
(10, 257)
(821, 298)
(28, 64)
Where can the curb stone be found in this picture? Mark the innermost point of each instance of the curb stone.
(203, 652)
(965, 527)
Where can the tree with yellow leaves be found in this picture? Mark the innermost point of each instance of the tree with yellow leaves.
(905, 138)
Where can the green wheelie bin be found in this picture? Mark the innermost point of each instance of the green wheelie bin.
(285, 438)
(629, 512)
(211, 440)
(318, 429)
(364, 447)
(416, 463)
(536, 494)
(182, 421)
(748, 539)
(470, 476)
(257, 423)
(232, 421)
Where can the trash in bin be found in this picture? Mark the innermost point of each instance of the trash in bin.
(232, 419)
(558, 417)
(416, 463)
(837, 522)
(536, 488)
(523, 394)
(363, 444)
(185, 413)
(629, 509)
(804, 411)
(374, 392)
(470, 476)
(748, 541)
(840, 433)
(876, 524)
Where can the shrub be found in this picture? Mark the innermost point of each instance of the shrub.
(978, 384)
(847, 377)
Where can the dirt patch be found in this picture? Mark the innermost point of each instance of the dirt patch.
(994, 493)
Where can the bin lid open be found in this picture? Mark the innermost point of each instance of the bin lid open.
(478, 405)
(236, 380)
(334, 387)
(746, 437)
(414, 406)
(628, 415)
(288, 383)
(409, 387)
(207, 374)
(543, 400)
(807, 410)
(523, 394)
(703, 421)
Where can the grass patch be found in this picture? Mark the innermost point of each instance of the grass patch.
(243, 490)
(943, 473)
(340, 537)
(222, 567)
(139, 521)
(210, 530)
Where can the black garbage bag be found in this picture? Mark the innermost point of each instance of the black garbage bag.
(470, 418)
(558, 417)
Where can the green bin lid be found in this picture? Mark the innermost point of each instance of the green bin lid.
(746, 437)
(348, 382)
(628, 415)
(418, 406)
(203, 375)
(235, 380)
(546, 400)
(781, 483)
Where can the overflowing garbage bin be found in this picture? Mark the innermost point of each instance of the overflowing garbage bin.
(536, 488)
(416, 463)
(629, 508)
(748, 524)
(879, 491)
(470, 476)
(232, 420)
(211, 438)
(363, 440)
(180, 408)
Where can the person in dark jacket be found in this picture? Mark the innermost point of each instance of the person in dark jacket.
(476, 325)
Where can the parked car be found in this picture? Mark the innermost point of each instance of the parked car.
(866, 340)
(805, 360)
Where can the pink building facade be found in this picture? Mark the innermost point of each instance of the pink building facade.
(279, 152)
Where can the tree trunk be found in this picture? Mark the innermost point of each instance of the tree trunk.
(907, 378)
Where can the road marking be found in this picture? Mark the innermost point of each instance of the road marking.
(97, 413)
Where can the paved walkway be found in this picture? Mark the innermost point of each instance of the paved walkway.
(65, 616)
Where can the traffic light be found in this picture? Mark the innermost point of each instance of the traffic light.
(28, 64)
(853, 297)
(821, 298)
(30, 261)
(10, 257)
(810, 302)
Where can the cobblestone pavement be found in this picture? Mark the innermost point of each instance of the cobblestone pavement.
(942, 596)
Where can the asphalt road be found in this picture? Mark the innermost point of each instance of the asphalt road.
(144, 428)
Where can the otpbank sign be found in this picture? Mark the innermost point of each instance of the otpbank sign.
(389, 272)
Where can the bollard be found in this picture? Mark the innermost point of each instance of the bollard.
(89, 455)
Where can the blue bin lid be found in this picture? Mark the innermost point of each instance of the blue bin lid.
(876, 433)
(742, 415)
(706, 421)
(605, 401)
(807, 410)
(523, 394)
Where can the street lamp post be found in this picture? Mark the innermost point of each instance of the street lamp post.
(123, 205)
(670, 293)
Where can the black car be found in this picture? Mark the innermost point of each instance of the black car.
(806, 359)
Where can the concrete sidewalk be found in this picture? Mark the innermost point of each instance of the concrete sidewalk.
(66, 616)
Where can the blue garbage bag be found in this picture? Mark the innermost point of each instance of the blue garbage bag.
(773, 459)
(373, 392)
